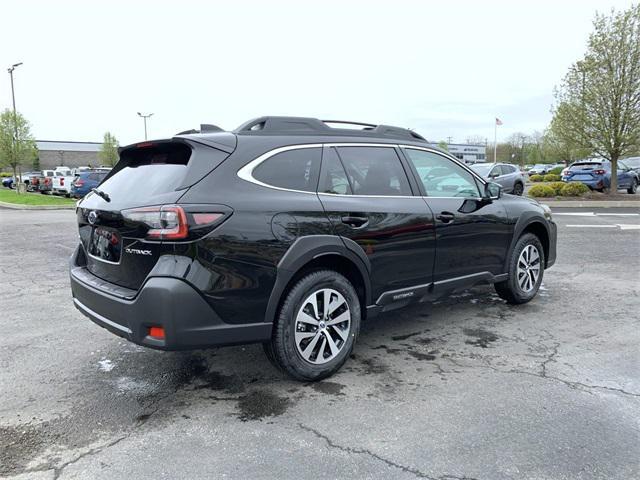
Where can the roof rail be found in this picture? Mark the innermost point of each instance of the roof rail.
(311, 126)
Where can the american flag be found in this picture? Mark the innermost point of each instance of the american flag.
(498, 121)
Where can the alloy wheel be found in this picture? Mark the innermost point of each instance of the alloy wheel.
(322, 326)
(528, 270)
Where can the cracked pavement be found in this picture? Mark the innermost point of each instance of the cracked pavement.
(466, 388)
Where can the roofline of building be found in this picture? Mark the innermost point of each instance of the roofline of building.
(69, 141)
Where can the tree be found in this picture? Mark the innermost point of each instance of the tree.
(108, 154)
(598, 102)
(443, 145)
(560, 148)
(516, 147)
(17, 145)
(35, 165)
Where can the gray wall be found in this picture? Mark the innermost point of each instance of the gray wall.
(50, 159)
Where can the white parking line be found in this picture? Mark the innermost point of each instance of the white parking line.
(593, 226)
(593, 214)
(621, 227)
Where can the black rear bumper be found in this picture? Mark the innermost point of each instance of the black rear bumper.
(553, 240)
(188, 320)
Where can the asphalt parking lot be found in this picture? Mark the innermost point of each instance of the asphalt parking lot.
(467, 388)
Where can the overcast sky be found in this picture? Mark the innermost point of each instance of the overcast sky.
(444, 68)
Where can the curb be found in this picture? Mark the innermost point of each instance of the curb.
(591, 203)
(15, 206)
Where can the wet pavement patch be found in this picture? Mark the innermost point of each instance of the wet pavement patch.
(260, 404)
(482, 337)
(371, 366)
(404, 337)
(422, 356)
(388, 349)
(328, 388)
(218, 381)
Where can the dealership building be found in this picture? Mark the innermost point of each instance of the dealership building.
(70, 154)
(467, 153)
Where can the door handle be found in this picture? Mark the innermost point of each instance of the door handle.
(445, 217)
(354, 220)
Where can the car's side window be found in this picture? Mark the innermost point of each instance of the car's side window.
(333, 178)
(496, 171)
(375, 171)
(292, 169)
(442, 177)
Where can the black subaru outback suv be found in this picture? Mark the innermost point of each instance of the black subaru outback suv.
(291, 231)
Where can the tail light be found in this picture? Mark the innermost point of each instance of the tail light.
(599, 171)
(78, 183)
(62, 181)
(172, 222)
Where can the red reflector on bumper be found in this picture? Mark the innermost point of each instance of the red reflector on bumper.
(156, 332)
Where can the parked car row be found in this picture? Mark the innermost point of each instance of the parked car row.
(71, 182)
(543, 168)
(596, 174)
(506, 174)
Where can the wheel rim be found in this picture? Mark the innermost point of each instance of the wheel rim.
(518, 189)
(322, 326)
(528, 268)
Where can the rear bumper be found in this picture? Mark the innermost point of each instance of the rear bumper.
(188, 320)
(553, 240)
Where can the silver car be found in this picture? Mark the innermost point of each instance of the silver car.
(507, 175)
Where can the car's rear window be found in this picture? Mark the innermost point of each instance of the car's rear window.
(586, 165)
(147, 172)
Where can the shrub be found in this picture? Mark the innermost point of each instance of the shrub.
(541, 191)
(574, 189)
(550, 177)
(536, 178)
(6, 174)
(557, 187)
(556, 171)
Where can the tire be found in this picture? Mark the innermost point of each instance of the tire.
(295, 334)
(633, 188)
(518, 189)
(512, 289)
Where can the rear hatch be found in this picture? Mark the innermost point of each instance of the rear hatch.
(121, 227)
(585, 172)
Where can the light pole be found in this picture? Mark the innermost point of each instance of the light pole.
(144, 117)
(15, 125)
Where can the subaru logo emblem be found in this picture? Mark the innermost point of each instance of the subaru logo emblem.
(93, 217)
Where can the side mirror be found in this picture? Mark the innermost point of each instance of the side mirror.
(493, 191)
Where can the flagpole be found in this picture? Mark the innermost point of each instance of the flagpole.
(495, 140)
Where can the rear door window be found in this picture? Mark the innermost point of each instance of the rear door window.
(333, 178)
(292, 169)
(374, 171)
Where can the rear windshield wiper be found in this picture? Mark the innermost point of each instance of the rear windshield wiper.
(102, 194)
